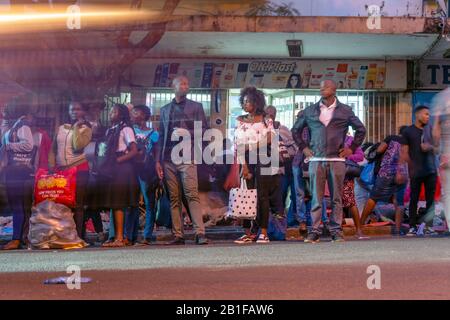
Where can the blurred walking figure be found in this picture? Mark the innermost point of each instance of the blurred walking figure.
(441, 139)
(18, 147)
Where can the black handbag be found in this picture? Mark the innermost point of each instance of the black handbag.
(352, 169)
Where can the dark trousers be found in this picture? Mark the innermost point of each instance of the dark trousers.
(268, 187)
(430, 189)
(78, 216)
(19, 192)
(277, 204)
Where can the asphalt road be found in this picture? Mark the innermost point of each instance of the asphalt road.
(409, 269)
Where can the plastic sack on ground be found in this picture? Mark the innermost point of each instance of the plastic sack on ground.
(52, 227)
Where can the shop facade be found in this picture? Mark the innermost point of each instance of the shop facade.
(376, 90)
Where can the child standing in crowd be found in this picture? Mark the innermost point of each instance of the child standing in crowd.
(122, 188)
(145, 169)
(68, 152)
(20, 152)
(348, 194)
(254, 133)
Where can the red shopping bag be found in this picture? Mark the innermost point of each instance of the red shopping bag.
(59, 186)
(232, 180)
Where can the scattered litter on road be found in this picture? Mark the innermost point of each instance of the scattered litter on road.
(63, 280)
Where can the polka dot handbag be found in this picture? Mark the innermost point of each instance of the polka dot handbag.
(242, 203)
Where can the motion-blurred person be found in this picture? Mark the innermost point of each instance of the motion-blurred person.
(441, 138)
(20, 154)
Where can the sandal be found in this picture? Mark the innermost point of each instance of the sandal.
(13, 245)
(114, 244)
(361, 236)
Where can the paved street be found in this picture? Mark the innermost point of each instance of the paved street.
(410, 269)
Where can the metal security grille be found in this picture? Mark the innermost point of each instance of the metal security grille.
(377, 110)
(124, 98)
(381, 116)
(158, 98)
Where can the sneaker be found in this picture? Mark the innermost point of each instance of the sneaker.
(326, 229)
(144, 242)
(244, 239)
(361, 236)
(398, 233)
(412, 232)
(337, 238)
(303, 230)
(262, 239)
(421, 230)
(312, 238)
(430, 231)
(176, 241)
(200, 239)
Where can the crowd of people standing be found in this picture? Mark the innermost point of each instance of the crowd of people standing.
(316, 160)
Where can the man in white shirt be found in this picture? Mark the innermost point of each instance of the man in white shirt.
(327, 122)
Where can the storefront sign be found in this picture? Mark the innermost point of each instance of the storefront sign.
(274, 74)
(435, 74)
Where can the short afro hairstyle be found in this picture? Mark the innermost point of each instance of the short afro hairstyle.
(420, 108)
(255, 96)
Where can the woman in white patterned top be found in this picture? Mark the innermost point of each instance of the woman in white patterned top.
(253, 138)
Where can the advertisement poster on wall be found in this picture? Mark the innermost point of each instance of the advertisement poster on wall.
(274, 74)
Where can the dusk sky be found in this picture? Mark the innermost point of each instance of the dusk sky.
(353, 7)
(337, 7)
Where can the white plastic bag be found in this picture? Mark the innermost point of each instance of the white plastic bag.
(52, 227)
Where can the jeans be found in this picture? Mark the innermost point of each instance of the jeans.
(132, 217)
(150, 214)
(362, 195)
(334, 173)
(297, 209)
(302, 213)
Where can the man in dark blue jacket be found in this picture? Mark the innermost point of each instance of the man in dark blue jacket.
(328, 122)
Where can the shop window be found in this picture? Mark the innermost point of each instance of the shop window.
(159, 98)
(110, 101)
(376, 110)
